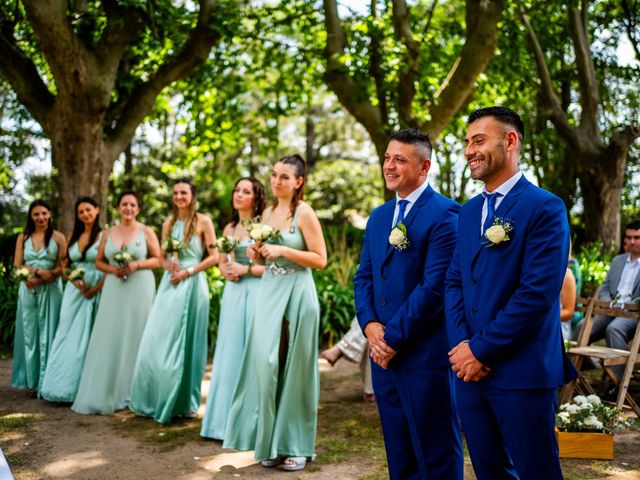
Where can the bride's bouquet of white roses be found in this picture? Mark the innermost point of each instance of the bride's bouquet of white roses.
(123, 258)
(21, 274)
(172, 246)
(226, 244)
(74, 273)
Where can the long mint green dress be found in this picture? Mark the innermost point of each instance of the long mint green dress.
(69, 347)
(274, 409)
(105, 383)
(236, 309)
(36, 319)
(173, 350)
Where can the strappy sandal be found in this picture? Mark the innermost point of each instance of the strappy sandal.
(296, 463)
(273, 462)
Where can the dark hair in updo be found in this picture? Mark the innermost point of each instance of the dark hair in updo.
(300, 171)
(259, 199)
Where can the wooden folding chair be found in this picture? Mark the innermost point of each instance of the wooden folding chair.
(609, 357)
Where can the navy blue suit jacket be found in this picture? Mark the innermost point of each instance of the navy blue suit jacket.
(404, 290)
(505, 298)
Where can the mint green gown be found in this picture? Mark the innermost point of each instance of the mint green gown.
(236, 309)
(274, 408)
(105, 382)
(69, 347)
(173, 350)
(36, 319)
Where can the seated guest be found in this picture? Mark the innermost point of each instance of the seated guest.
(574, 265)
(622, 285)
(567, 303)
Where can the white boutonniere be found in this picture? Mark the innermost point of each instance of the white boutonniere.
(398, 237)
(499, 231)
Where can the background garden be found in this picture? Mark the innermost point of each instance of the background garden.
(96, 97)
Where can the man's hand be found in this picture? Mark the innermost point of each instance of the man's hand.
(467, 366)
(381, 353)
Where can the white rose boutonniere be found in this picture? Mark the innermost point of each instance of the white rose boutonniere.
(398, 237)
(499, 231)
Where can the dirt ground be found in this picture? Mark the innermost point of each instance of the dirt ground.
(47, 441)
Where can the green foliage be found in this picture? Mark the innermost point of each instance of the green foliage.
(594, 266)
(8, 304)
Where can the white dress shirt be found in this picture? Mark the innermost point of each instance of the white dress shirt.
(411, 198)
(628, 279)
(502, 191)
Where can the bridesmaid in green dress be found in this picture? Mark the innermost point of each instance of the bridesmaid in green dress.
(127, 295)
(236, 307)
(274, 409)
(173, 349)
(39, 249)
(79, 306)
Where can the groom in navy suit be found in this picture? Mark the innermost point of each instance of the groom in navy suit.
(503, 313)
(399, 294)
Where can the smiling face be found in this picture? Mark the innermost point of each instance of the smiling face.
(243, 196)
(632, 242)
(284, 181)
(41, 216)
(128, 207)
(87, 213)
(182, 195)
(403, 169)
(487, 149)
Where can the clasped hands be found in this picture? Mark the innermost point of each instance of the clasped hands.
(264, 250)
(380, 352)
(467, 366)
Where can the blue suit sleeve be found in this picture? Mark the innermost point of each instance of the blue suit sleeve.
(457, 329)
(426, 303)
(363, 285)
(543, 268)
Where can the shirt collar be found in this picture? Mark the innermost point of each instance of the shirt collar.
(636, 261)
(415, 195)
(505, 187)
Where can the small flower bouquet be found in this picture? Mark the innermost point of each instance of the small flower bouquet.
(123, 258)
(172, 246)
(263, 232)
(226, 245)
(587, 414)
(499, 231)
(22, 274)
(74, 273)
(398, 237)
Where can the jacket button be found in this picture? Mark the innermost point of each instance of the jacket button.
(474, 310)
(383, 302)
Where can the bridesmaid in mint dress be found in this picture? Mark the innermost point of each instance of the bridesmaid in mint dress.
(173, 350)
(236, 307)
(127, 295)
(274, 408)
(79, 306)
(40, 250)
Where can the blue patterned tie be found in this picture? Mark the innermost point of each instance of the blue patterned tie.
(491, 210)
(402, 205)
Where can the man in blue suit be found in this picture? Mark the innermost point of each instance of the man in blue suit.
(399, 293)
(503, 313)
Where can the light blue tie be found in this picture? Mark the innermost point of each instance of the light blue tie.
(491, 210)
(402, 205)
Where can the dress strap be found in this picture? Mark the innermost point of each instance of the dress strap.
(294, 221)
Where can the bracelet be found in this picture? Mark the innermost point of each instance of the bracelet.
(249, 268)
(191, 270)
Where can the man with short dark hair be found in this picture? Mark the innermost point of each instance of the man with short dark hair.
(622, 285)
(399, 288)
(503, 308)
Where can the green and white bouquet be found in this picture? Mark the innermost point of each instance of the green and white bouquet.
(74, 273)
(226, 245)
(262, 232)
(499, 231)
(398, 237)
(587, 414)
(172, 246)
(123, 258)
(22, 274)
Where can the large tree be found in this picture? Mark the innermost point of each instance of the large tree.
(400, 82)
(89, 73)
(599, 162)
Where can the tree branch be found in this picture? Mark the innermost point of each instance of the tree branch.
(193, 54)
(375, 62)
(477, 52)
(21, 73)
(407, 77)
(553, 107)
(351, 95)
(589, 93)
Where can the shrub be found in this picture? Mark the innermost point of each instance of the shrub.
(594, 266)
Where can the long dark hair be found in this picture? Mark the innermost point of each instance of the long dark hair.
(193, 210)
(259, 199)
(300, 170)
(30, 227)
(78, 227)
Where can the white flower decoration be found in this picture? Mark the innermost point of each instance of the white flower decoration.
(499, 231)
(398, 237)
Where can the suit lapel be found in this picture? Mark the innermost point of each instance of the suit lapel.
(501, 212)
